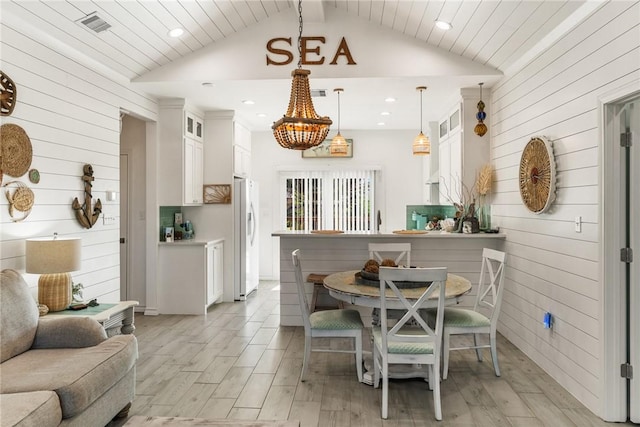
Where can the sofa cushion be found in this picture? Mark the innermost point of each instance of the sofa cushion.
(18, 315)
(78, 375)
(34, 409)
(68, 332)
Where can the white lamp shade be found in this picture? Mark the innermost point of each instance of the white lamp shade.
(49, 256)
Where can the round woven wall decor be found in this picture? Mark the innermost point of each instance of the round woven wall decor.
(21, 200)
(8, 94)
(16, 150)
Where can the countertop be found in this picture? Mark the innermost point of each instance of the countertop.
(383, 234)
(190, 242)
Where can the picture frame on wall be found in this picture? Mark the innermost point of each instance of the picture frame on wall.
(217, 193)
(322, 150)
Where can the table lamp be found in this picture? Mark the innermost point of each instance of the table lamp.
(54, 259)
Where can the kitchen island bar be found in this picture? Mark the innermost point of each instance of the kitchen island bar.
(331, 253)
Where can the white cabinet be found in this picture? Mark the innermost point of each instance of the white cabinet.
(450, 159)
(190, 276)
(241, 151)
(193, 172)
(241, 162)
(462, 153)
(215, 278)
(180, 155)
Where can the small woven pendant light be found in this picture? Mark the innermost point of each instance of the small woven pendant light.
(338, 146)
(421, 144)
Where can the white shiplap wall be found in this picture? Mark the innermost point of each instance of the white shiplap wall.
(71, 114)
(551, 267)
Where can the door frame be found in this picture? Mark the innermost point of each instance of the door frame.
(613, 402)
(125, 293)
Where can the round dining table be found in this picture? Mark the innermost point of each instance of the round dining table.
(344, 287)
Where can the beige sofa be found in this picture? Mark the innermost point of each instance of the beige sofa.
(57, 371)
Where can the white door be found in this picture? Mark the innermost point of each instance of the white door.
(124, 226)
(632, 127)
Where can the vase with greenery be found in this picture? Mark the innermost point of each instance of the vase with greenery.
(483, 186)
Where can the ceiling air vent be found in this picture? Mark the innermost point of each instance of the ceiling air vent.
(319, 92)
(95, 23)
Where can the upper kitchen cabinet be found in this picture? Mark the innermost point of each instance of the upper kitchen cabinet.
(180, 154)
(193, 126)
(232, 145)
(430, 168)
(241, 151)
(462, 153)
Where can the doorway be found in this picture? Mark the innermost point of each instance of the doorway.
(621, 278)
(133, 209)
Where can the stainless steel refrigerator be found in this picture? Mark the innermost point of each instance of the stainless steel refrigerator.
(245, 238)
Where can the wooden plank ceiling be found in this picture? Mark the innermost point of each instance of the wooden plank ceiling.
(491, 32)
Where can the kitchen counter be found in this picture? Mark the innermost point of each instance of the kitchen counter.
(378, 235)
(189, 242)
(190, 275)
(331, 253)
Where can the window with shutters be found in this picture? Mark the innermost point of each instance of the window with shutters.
(328, 200)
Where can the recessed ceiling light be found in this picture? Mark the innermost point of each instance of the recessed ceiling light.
(261, 115)
(390, 99)
(248, 102)
(385, 113)
(381, 123)
(443, 25)
(208, 84)
(176, 32)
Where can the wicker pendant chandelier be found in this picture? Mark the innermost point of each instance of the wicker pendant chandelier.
(301, 127)
(421, 144)
(338, 146)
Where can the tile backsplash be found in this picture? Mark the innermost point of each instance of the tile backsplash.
(428, 212)
(166, 218)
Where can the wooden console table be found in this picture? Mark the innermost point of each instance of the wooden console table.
(116, 318)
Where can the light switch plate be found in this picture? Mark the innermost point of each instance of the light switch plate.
(108, 219)
(578, 224)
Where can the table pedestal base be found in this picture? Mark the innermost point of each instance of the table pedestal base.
(395, 371)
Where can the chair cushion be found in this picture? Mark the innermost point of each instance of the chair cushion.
(336, 319)
(37, 408)
(404, 347)
(459, 317)
(18, 315)
(78, 375)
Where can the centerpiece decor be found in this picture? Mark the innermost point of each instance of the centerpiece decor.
(301, 127)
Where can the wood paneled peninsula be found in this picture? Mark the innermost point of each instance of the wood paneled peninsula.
(330, 253)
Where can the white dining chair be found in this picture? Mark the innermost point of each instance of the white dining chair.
(340, 323)
(483, 319)
(399, 252)
(401, 255)
(410, 340)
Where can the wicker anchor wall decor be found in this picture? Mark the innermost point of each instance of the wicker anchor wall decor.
(85, 217)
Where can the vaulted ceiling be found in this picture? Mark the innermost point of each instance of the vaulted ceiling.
(498, 35)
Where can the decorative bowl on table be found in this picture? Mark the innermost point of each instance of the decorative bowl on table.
(369, 276)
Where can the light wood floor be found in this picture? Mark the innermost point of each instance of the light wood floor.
(238, 363)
